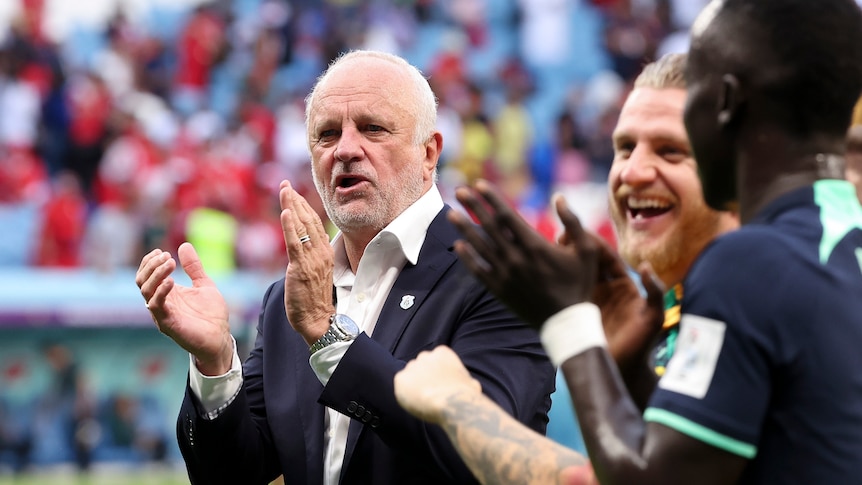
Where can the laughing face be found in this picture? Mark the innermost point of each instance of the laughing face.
(366, 162)
(656, 201)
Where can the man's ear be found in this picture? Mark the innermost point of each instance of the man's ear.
(730, 100)
(433, 149)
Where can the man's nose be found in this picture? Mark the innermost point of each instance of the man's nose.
(349, 146)
(640, 168)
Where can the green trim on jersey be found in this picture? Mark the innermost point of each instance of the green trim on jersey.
(666, 345)
(700, 432)
(840, 213)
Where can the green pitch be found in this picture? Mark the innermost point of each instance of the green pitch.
(127, 477)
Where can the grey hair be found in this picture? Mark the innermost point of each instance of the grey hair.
(425, 107)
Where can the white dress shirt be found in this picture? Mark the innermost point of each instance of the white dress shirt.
(361, 297)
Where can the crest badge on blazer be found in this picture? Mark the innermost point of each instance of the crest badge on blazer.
(407, 301)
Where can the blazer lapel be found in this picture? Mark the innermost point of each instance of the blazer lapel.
(414, 281)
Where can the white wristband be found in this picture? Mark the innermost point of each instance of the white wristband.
(571, 331)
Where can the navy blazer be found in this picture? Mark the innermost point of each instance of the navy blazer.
(276, 424)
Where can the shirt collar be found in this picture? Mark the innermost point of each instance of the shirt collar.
(411, 226)
(409, 229)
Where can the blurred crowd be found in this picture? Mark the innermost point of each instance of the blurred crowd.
(69, 422)
(152, 139)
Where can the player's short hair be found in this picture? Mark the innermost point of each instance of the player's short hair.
(665, 73)
(816, 51)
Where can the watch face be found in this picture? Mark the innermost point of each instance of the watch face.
(346, 324)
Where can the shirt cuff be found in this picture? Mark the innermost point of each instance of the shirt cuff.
(215, 393)
(573, 330)
(324, 361)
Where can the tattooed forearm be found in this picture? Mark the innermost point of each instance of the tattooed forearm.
(500, 450)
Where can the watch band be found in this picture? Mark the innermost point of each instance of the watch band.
(341, 329)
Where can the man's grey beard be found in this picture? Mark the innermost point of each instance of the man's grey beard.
(382, 207)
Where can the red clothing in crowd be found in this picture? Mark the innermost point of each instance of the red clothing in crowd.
(23, 176)
(89, 106)
(200, 44)
(64, 221)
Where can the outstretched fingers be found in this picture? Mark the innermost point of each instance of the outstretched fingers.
(192, 265)
(497, 236)
(468, 198)
(586, 245)
(473, 250)
(149, 263)
(478, 238)
(507, 219)
(575, 232)
(291, 226)
(156, 268)
(309, 221)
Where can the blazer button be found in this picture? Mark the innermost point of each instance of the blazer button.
(351, 407)
(375, 422)
(359, 411)
(367, 417)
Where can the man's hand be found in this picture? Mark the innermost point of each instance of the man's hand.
(426, 384)
(195, 318)
(308, 279)
(631, 322)
(534, 277)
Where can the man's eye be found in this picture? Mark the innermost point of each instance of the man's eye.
(328, 133)
(672, 153)
(624, 150)
(375, 128)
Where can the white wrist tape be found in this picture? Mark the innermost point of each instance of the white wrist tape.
(573, 330)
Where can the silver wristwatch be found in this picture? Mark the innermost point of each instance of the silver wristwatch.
(341, 329)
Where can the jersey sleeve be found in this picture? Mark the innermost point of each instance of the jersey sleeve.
(717, 384)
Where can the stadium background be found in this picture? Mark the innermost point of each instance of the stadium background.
(130, 124)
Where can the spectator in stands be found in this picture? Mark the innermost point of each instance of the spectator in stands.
(213, 231)
(89, 107)
(477, 142)
(126, 429)
(16, 442)
(571, 165)
(63, 224)
(631, 36)
(71, 398)
(203, 43)
(512, 129)
(112, 238)
(260, 243)
(23, 177)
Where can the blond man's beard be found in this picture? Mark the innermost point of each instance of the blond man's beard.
(672, 254)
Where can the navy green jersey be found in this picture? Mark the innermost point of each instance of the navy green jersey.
(768, 360)
(670, 329)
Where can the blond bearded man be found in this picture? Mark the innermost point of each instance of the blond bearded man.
(660, 217)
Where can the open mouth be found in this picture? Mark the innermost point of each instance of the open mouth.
(348, 182)
(646, 208)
